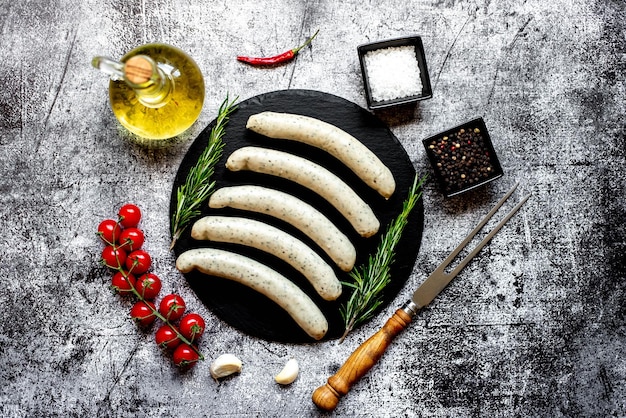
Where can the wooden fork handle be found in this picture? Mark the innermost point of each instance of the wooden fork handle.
(326, 397)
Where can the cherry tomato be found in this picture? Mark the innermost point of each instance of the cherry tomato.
(172, 307)
(109, 231)
(113, 257)
(148, 285)
(191, 326)
(185, 356)
(129, 215)
(166, 337)
(131, 239)
(123, 282)
(143, 313)
(138, 262)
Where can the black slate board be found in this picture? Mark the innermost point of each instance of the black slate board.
(251, 312)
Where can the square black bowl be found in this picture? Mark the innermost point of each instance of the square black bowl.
(463, 158)
(412, 41)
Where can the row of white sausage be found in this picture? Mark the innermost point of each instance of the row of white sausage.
(301, 215)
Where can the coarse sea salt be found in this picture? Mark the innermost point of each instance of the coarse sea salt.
(393, 73)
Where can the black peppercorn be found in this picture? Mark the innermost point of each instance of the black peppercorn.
(463, 157)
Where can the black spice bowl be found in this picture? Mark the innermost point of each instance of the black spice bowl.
(463, 158)
(400, 97)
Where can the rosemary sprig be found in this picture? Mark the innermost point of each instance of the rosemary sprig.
(198, 185)
(371, 279)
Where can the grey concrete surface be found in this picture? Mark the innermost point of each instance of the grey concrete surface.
(534, 326)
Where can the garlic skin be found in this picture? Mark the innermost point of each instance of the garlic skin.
(225, 365)
(289, 373)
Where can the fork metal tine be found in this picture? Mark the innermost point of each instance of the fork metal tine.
(487, 238)
(478, 227)
(439, 279)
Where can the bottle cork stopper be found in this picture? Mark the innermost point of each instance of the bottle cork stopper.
(138, 69)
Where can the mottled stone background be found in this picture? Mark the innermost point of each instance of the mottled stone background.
(534, 326)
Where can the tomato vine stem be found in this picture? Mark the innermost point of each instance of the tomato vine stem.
(156, 312)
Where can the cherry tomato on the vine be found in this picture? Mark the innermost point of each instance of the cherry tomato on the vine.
(124, 240)
(109, 230)
(148, 285)
(143, 313)
(185, 356)
(113, 257)
(138, 262)
(172, 307)
(129, 215)
(123, 282)
(191, 326)
(131, 239)
(166, 337)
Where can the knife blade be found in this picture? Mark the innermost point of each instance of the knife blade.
(327, 396)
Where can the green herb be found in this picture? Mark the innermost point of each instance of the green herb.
(198, 185)
(371, 279)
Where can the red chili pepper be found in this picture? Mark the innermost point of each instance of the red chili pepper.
(277, 59)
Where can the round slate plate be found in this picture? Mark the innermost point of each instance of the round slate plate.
(252, 312)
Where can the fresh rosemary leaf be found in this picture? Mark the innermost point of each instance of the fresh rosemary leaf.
(369, 280)
(198, 185)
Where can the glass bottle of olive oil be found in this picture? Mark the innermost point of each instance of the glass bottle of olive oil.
(156, 90)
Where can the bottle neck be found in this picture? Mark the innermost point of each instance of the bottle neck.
(151, 85)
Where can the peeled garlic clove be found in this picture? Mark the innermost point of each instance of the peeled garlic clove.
(225, 365)
(289, 373)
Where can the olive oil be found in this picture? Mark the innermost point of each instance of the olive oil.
(156, 91)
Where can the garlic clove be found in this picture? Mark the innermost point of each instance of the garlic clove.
(289, 373)
(225, 365)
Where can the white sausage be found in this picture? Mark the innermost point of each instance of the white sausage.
(264, 237)
(295, 212)
(261, 278)
(337, 142)
(310, 175)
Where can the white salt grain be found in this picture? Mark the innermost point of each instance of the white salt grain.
(393, 73)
